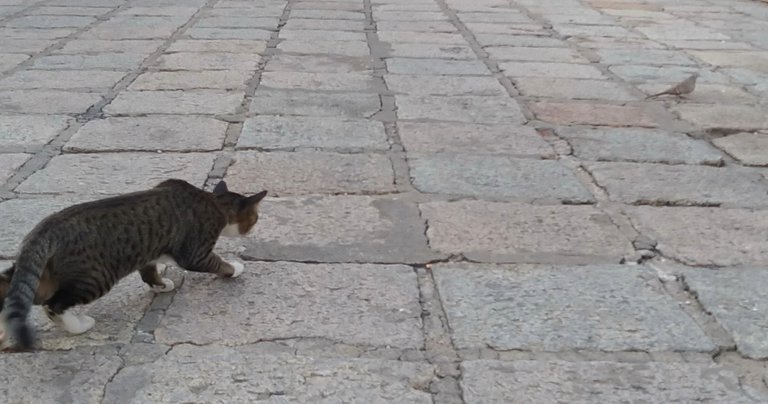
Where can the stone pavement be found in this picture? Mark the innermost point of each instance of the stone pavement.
(471, 201)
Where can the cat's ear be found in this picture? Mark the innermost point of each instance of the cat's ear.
(221, 188)
(252, 200)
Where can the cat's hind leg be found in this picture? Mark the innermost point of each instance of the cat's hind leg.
(150, 274)
(59, 310)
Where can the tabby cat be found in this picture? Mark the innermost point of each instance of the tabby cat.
(75, 256)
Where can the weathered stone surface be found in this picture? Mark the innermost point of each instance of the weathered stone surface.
(208, 61)
(444, 85)
(436, 137)
(549, 70)
(9, 61)
(49, 21)
(639, 145)
(473, 109)
(485, 176)
(135, 27)
(228, 33)
(519, 40)
(642, 74)
(409, 16)
(508, 29)
(185, 133)
(92, 11)
(186, 80)
(755, 60)
(209, 102)
(421, 37)
(318, 173)
(585, 382)
(327, 35)
(436, 66)
(606, 308)
(79, 46)
(574, 89)
(356, 304)
(496, 15)
(9, 163)
(319, 81)
(738, 117)
(749, 148)
(592, 114)
(580, 30)
(61, 80)
(23, 46)
(116, 173)
(338, 229)
(281, 102)
(645, 57)
(416, 26)
(101, 61)
(512, 232)
(340, 25)
(678, 30)
(216, 45)
(705, 236)
(319, 64)
(238, 22)
(275, 132)
(254, 373)
(51, 377)
(431, 51)
(681, 184)
(562, 55)
(344, 48)
(328, 14)
(46, 102)
(34, 33)
(706, 93)
(28, 133)
(737, 299)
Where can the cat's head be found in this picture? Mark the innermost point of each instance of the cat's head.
(242, 211)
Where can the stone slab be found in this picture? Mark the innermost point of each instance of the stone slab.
(155, 133)
(512, 232)
(660, 184)
(564, 308)
(46, 102)
(53, 377)
(134, 27)
(705, 236)
(417, 26)
(549, 70)
(319, 64)
(61, 80)
(217, 45)
(102, 61)
(737, 298)
(642, 74)
(371, 305)
(318, 173)
(437, 137)
(339, 229)
(11, 60)
(443, 85)
(472, 109)
(238, 22)
(571, 113)
(138, 46)
(206, 102)
(28, 133)
(228, 33)
(328, 14)
(730, 117)
(9, 163)
(330, 35)
(421, 37)
(189, 80)
(639, 145)
(116, 173)
(436, 67)
(519, 40)
(431, 51)
(496, 177)
(749, 148)
(575, 89)
(354, 82)
(560, 55)
(49, 21)
(197, 61)
(344, 105)
(599, 381)
(252, 373)
(275, 132)
(644, 57)
(325, 24)
(86, 11)
(24, 46)
(507, 29)
(343, 48)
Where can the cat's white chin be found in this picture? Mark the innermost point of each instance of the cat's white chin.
(231, 230)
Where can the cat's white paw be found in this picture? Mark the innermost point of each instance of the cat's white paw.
(160, 267)
(238, 268)
(167, 286)
(74, 324)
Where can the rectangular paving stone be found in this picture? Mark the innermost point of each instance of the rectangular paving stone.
(438, 137)
(645, 57)
(472, 109)
(421, 37)
(749, 148)
(135, 46)
(46, 101)
(639, 145)
(238, 22)
(336, 229)
(416, 26)
(592, 114)
(562, 55)
(228, 33)
(443, 85)
(34, 33)
(116, 173)
(28, 133)
(677, 30)
(328, 14)
(355, 304)
(327, 35)
(277, 132)
(208, 102)
(92, 11)
(207, 61)
(681, 184)
(102, 61)
(730, 117)
(324, 24)
(9, 163)
(217, 45)
(594, 30)
(319, 64)
(344, 48)
(519, 40)
(755, 60)
(282, 102)
(189, 80)
(127, 28)
(498, 15)
(590, 381)
(80, 375)
(409, 16)
(595, 307)
(153, 133)
(548, 70)
(161, 10)
(25, 46)
(705, 236)
(436, 66)
(574, 89)
(495, 177)
(318, 173)
(508, 29)
(251, 373)
(512, 232)
(737, 299)
(48, 21)
(432, 51)
(319, 81)
(642, 74)
(61, 80)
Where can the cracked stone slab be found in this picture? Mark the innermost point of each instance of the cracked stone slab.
(749, 148)
(355, 82)
(439, 137)
(338, 229)
(46, 102)
(550, 70)
(436, 51)
(154, 133)
(189, 80)
(319, 64)
(705, 236)
(318, 173)
(599, 381)
(572, 113)
(10, 60)
(200, 61)
(207, 102)
(496, 176)
(574, 89)
(319, 47)
(738, 300)
(563, 308)
(731, 117)
(55, 377)
(513, 232)
(444, 85)
(217, 45)
(116, 173)
(138, 46)
(430, 67)
(102, 61)
(472, 109)
(253, 373)
(639, 145)
(634, 183)
(358, 304)
(276, 132)
(280, 102)
(61, 80)
(9, 163)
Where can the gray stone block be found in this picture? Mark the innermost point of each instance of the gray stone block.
(439, 137)
(749, 148)
(46, 102)
(276, 132)
(438, 67)
(471, 109)
(285, 102)
(207, 102)
(28, 133)
(9, 163)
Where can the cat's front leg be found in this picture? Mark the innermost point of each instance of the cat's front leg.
(212, 263)
(150, 274)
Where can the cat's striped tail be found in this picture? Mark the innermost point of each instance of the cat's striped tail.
(21, 292)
